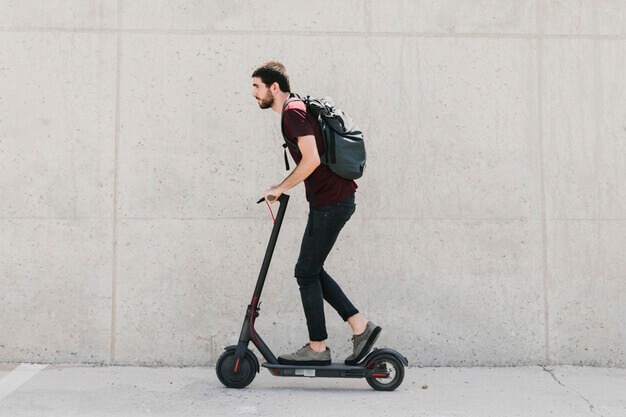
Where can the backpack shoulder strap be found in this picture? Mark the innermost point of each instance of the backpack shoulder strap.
(288, 142)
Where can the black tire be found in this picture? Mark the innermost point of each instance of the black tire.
(225, 366)
(394, 366)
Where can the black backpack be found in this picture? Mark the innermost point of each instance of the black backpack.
(343, 141)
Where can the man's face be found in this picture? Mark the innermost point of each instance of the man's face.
(262, 94)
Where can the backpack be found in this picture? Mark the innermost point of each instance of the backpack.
(343, 141)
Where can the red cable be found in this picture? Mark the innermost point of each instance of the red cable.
(271, 212)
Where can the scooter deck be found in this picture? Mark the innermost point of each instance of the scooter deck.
(335, 370)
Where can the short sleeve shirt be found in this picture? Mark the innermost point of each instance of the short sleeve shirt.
(323, 187)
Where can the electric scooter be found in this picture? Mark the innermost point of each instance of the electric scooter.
(237, 366)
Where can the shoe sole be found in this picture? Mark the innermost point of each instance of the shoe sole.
(366, 349)
(303, 363)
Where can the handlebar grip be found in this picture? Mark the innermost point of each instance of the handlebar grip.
(269, 197)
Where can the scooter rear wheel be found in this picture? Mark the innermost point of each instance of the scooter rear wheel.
(225, 370)
(394, 367)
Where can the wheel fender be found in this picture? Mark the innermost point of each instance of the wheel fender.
(249, 353)
(384, 351)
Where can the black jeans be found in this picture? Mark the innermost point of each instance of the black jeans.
(322, 229)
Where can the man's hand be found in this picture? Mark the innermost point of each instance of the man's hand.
(274, 191)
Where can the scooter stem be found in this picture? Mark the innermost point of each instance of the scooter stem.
(283, 200)
(247, 331)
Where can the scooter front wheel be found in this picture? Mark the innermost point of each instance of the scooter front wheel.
(391, 365)
(225, 369)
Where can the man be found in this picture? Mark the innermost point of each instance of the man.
(332, 203)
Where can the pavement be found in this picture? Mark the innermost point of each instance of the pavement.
(83, 390)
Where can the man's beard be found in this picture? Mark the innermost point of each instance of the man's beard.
(268, 101)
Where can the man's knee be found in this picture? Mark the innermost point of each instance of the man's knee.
(306, 274)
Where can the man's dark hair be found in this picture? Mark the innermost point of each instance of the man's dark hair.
(273, 72)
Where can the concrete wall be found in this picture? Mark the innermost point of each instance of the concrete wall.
(490, 227)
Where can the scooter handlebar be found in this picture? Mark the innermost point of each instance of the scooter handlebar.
(272, 198)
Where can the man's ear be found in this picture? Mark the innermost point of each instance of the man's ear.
(274, 88)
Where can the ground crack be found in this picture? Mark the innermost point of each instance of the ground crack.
(551, 372)
(591, 406)
(553, 376)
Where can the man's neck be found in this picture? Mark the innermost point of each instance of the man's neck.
(279, 102)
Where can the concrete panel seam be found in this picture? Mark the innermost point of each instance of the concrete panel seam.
(115, 190)
(432, 219)
(476, 35)
(544, 239)
(494, 219)
(53, 218)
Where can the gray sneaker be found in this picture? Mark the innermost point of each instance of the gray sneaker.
(306, 356)
(363, 343)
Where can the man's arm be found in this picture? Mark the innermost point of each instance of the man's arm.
(310, 161)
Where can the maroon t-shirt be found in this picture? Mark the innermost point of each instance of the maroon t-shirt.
(328, 187)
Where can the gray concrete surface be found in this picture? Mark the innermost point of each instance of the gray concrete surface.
(72, 390)
(490, 227)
